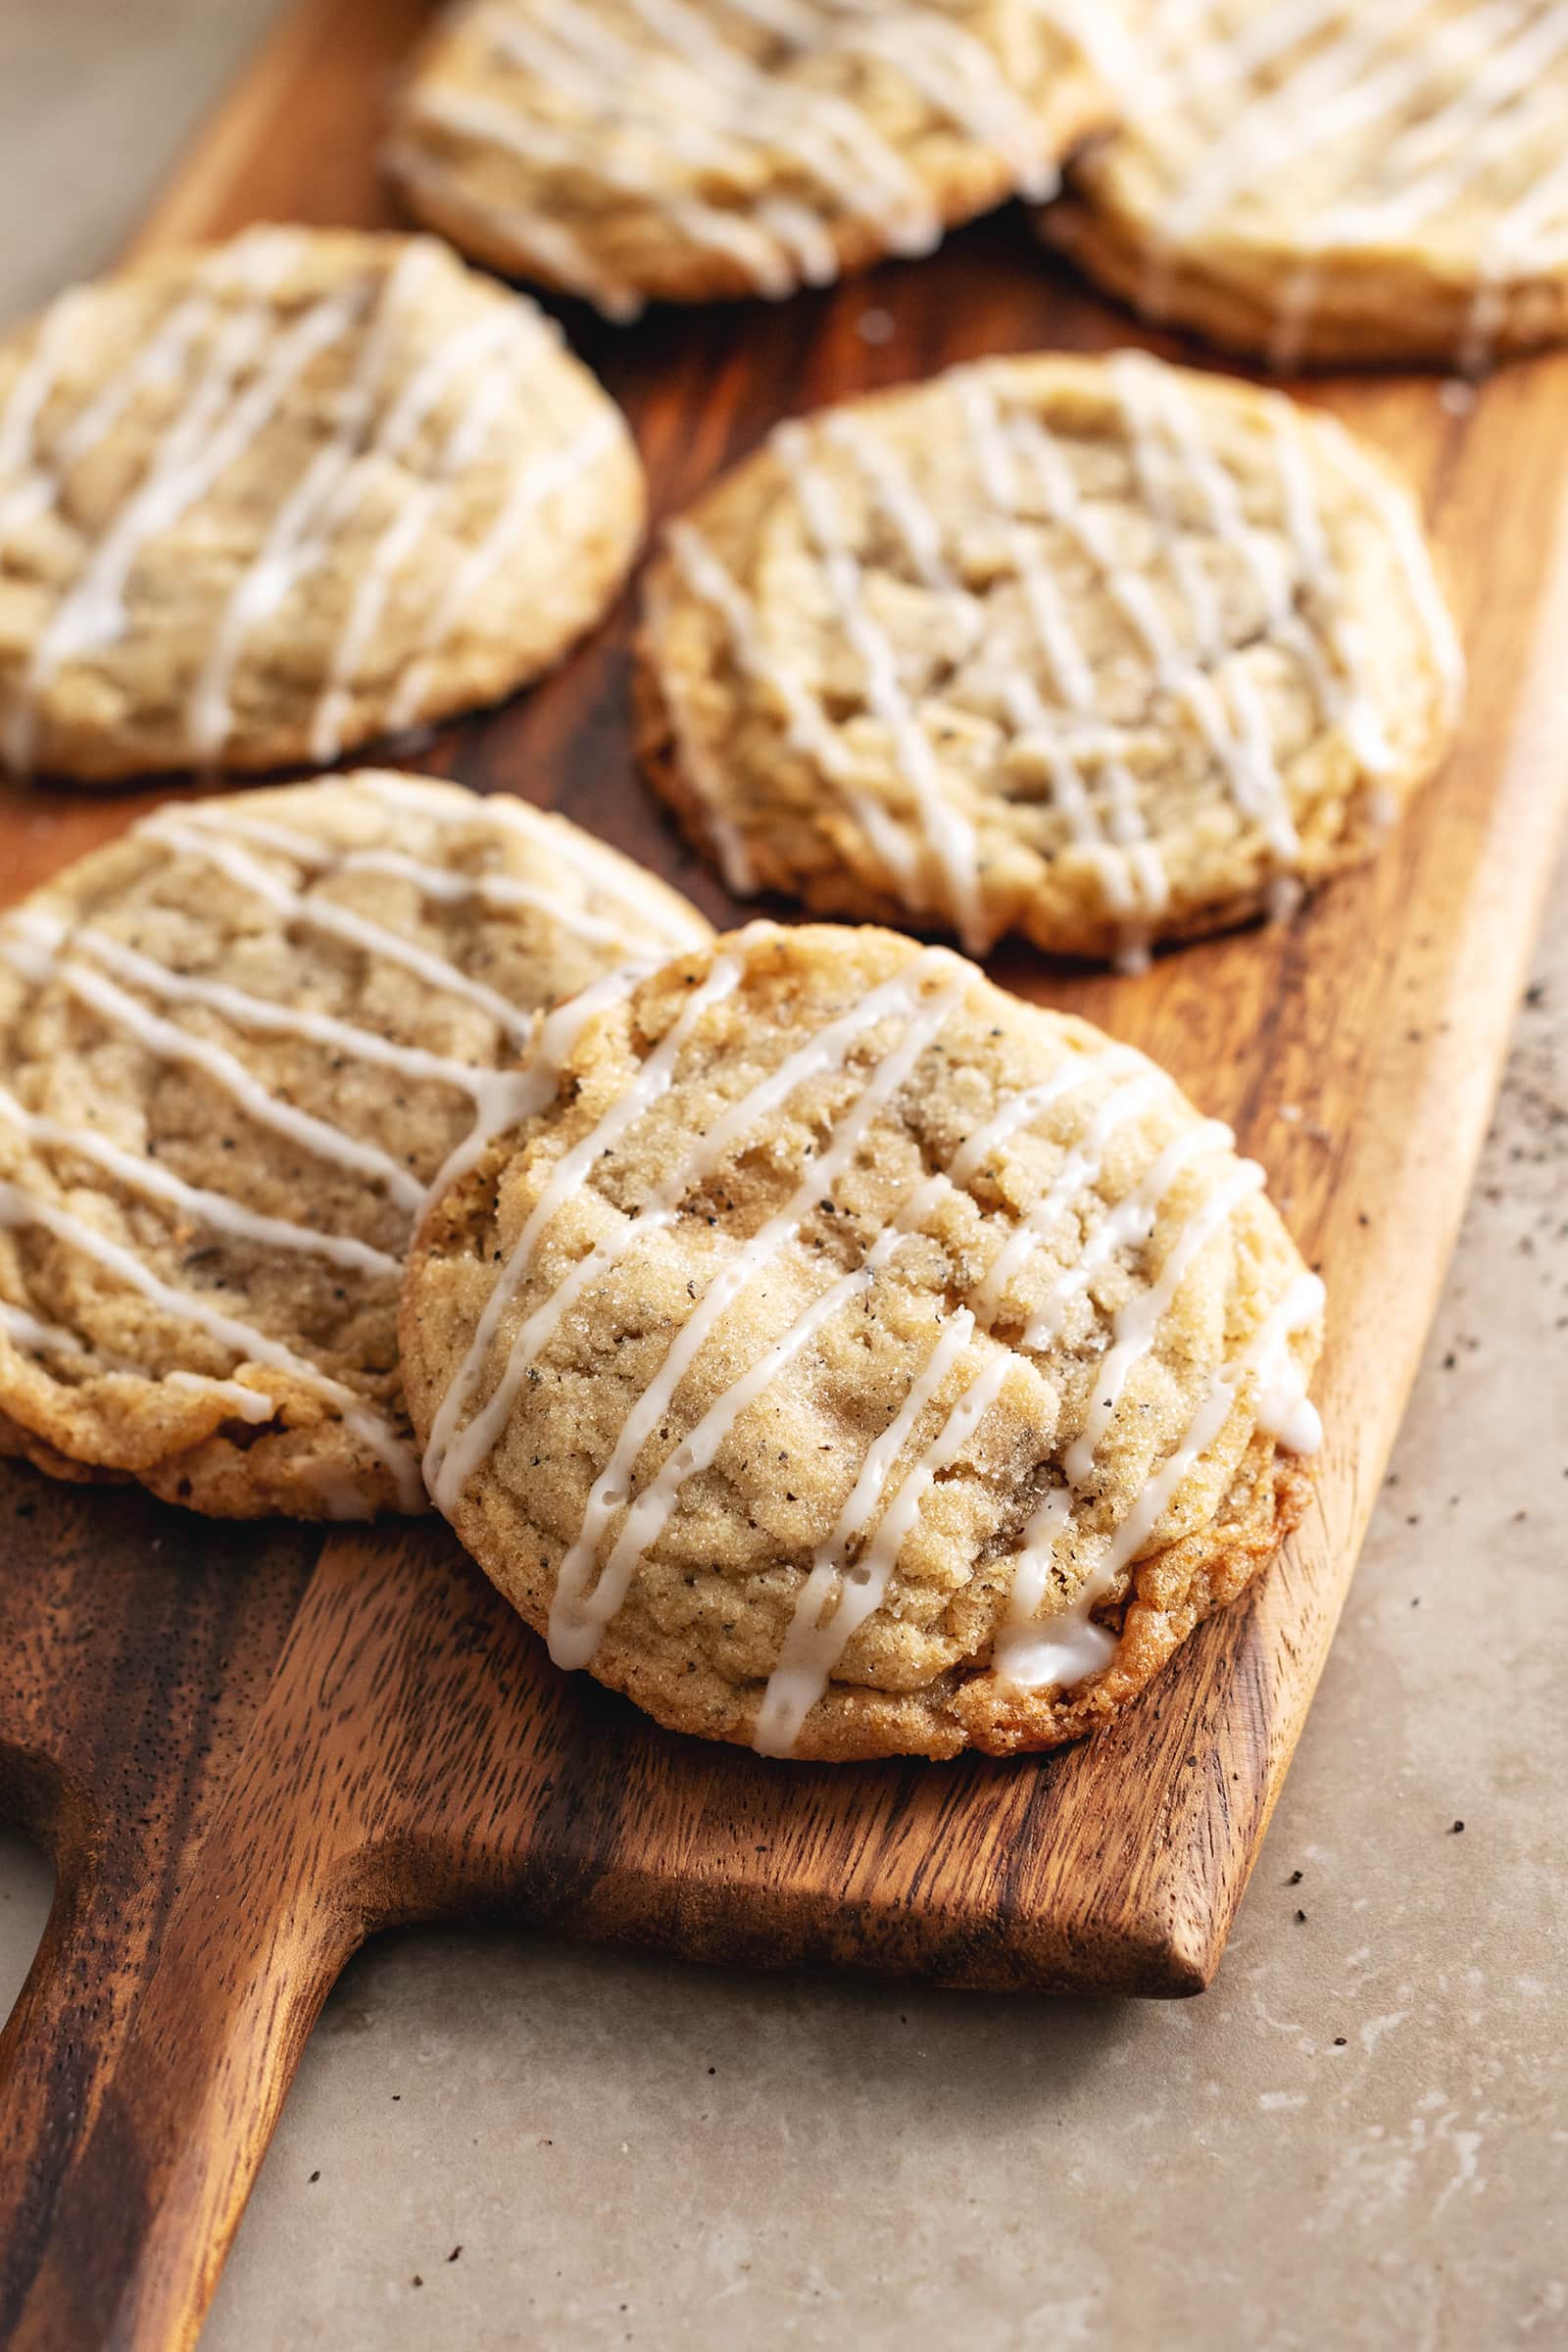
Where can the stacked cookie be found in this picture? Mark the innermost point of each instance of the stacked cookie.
(824, 1347)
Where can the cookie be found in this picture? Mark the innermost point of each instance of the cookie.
(849, 1359)
(1099, 650)
(263, 501)
(1340, 184)
(236, 1045)
(693, 149)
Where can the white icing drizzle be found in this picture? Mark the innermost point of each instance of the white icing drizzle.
(139, 1174)
(582, 1606)
(1137, 1326)
(34, 1337)
(276, 1020)
(536, 486)
(479, 349)
(20, 1209)
(327, 915)
(1128, 865)
(575, 1627)
(249, 369)
(816, 1641)
(301, 530)
(1127, 1225)
(1020, 465)
(452, 1458)
(247, 1405)
(1130, 871)
(495, 890)
(92, 965)
(957, 75)
(1015, 1112)
(214, 426)
(832, 139)
(1255, 782)
(1035, 1654)
(1462, 94)
(162, 362)
(31, 388)
(443, 883)
(38, 1338)
(698, 764)
(642, 907)
(807, 725)
(1398, 514)
(1079, 1169)
(944, 828)
(453, 1453)
(29, 941)
(835, 1598)
(1363, 725)
(558, 253)
(833, 1602)
(172, 1043)
(687, 91)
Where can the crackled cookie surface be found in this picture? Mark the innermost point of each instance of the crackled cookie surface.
(623, 149)
(1099, 650)
(265, 501)
(1339, 182)
(851, 1359)
(235, 1048)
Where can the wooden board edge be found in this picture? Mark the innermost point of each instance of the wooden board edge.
(256, 89)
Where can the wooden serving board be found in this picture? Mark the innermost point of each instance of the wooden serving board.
(247, 1749)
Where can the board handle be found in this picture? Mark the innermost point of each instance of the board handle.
(161, 2026)
(116, 2247)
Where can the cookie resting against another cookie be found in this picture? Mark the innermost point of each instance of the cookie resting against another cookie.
(263, 501)
(235, 1048)
(1099, 650)
(691, 149)
(1338, 184)
(851, 1359)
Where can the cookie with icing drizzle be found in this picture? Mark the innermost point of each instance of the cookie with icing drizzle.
(236, 1047)
(686, 150)
(263, 502)
(1098, 650)
(849, 1359)
(1338, 183)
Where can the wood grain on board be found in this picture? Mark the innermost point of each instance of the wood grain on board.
(248, 1748)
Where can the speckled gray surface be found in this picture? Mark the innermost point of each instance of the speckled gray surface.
(1359, 2137)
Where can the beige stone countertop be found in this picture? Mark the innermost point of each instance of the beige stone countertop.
(1358, 2137)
